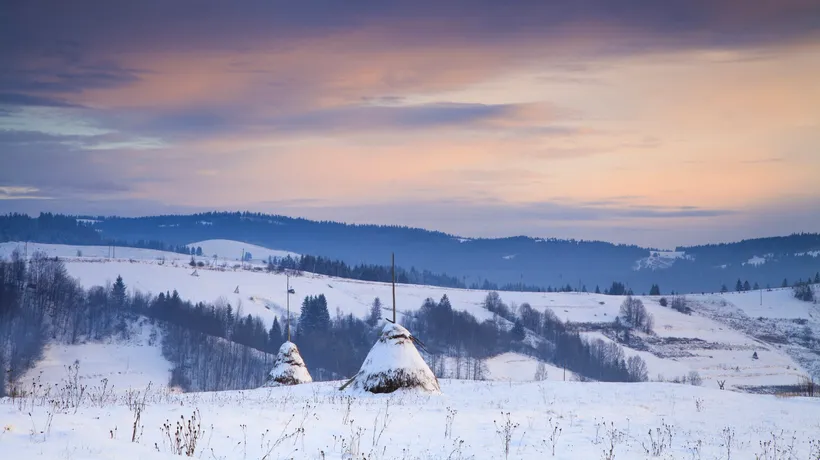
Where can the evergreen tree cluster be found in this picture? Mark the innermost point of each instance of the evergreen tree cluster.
(367, 272)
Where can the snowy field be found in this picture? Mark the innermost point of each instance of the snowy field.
(469, 420)
(125, 365)
(707, 341)
(233, 250)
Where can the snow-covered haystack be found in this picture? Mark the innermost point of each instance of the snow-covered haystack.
(289, 368)
(394, 363)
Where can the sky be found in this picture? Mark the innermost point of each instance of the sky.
(636, 121)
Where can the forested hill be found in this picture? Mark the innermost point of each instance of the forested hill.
(518, 260)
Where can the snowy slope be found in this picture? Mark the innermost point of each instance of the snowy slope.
(232, 250)
(467, 421)
(706, 341)
(131, 364)
(515, 367)
(89, 252)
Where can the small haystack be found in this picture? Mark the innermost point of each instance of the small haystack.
(394, 363)
(289, 368)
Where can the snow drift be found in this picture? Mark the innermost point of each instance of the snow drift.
(394, 363)
(289, 367)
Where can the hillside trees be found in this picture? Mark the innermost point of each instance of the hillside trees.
(633, 314)
(804, 292)
(375, 312)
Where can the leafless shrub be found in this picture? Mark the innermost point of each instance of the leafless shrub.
(554, 434)
(270, 445)
(448, 424)
(728, 441)
(615, 437)
(102, 395)
(776, 448)
(808, 387)
(505, 429)
(694, 449)
(186, 434)
(660, 440)
(694, 378)
(698, 404)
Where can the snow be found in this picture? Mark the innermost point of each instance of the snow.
(659, 260)
(88, 253)
(515, 367)
(709, 342)
(394, 361)
(756, 261)
(314, 421)
(232, 250)
(126, 364)
(766, 303)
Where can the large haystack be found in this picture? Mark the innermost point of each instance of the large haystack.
(394, 363)
(289, 368)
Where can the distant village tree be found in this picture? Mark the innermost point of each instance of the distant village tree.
(655, 290)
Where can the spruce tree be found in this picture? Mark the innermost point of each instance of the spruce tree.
(785, 283)
(655, 290)
(739, 286)
(724, 289)
(375, 312)
(817, 278)
(746, 286)
(118, 292)
(275, 338)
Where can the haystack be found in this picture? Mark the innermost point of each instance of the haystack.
(289, 368)
(394, 363)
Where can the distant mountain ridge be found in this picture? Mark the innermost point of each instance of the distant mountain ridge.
(533, 261)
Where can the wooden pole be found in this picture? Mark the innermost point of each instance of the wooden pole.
(288, 287)
(393, 265)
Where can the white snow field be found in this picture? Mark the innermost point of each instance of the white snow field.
(469, 420)
(125, 364)
(233, 250)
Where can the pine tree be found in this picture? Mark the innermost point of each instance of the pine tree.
(275, 337)
(192, 262)
(739, 286)
(785, 283)
(747, 286)
(118, 292)
(817, 278)
(756, 286)
(375, 312)
(655, 290)
(597, 290)
(724, 289)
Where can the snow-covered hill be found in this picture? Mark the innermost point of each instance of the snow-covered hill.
(125, 364)
(718, 340)
(233, 250)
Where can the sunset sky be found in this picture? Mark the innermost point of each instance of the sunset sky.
(640, 121)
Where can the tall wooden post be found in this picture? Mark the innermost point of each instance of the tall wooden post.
(288, 288)
(393, 265)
